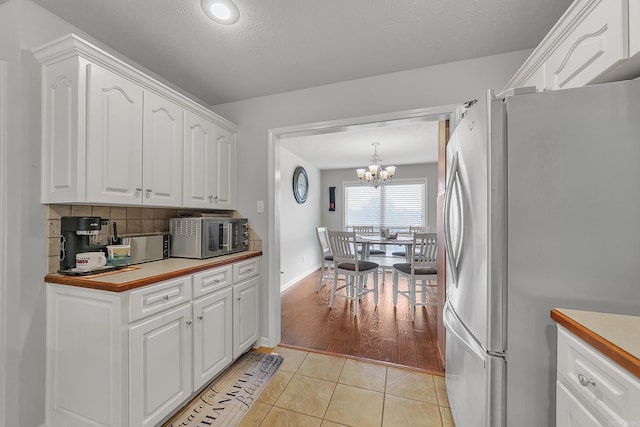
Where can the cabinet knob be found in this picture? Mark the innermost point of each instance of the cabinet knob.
(148, 192)
(189, 322)
(138, 190)
(166, 297)
(200, 317)
(239, 299)
(584, 381)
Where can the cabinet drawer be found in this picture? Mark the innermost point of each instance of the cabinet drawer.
(593, 45)
(245, 269)
(211, 280)
(155, 298)
(608, 389)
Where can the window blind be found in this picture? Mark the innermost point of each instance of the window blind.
(396, 205)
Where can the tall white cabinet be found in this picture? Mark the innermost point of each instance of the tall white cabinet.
(113, 135)
(595, 41)
(131, 359)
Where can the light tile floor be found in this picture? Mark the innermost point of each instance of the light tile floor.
(318, 390)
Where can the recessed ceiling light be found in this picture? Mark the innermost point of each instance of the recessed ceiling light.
(221, 11)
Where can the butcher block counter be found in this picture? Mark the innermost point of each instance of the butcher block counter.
(614, 335)
(138, 275)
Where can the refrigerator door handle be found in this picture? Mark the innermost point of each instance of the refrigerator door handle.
(448, 245)
(461, 333)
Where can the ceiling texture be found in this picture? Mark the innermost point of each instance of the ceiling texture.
(284, 45)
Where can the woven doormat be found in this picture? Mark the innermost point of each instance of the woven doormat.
(229, 397)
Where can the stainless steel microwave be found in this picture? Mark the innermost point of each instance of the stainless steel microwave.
(208, 236)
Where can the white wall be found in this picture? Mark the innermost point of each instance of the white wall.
(10, 274)
(299, 251)
(334, 220)
(446, 84)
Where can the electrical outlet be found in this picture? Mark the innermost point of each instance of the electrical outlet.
(260, 206)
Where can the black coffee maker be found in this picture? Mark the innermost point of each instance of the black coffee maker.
(78, 234)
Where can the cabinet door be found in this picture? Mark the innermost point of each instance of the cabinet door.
(593, 45)
(160, 358)
(245, 315)
(63, 173)
(212, 336)
(224, 172)
(198, 161)
(570, 412)
(114, 142)
(162, 151)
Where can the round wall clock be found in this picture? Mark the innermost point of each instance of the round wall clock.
(300, 184)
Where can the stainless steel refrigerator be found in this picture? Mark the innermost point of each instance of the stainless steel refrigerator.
(542, 210)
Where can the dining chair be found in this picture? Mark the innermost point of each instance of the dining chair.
(325, 255)
(412, 231)
(349, 263)
(367, 230)
(418, 272)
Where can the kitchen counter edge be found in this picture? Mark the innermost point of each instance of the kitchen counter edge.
(628, 361)
(103, 282)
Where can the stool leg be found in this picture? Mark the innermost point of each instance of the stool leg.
(323, 272)
(335, 288)
(395, 287)
(375, 288)
(412, 299)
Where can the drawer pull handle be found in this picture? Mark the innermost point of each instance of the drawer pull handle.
(189, 322)
(584, 381)
(200, 317)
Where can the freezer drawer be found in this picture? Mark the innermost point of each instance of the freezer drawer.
(475, 379)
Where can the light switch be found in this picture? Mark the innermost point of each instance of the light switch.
(260, 206)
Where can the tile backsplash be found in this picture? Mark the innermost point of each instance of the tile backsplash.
(130, 221)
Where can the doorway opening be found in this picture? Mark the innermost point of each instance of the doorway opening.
(278, 182)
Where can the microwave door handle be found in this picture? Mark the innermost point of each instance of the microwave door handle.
(226, 237)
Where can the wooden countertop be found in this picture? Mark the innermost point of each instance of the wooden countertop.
(615, 335)
(148, 273)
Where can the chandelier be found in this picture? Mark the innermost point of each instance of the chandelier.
(376, 175)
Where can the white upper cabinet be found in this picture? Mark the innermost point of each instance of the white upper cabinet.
(113, 135)
(114, 138)
(198, 161)
(224, 168)
(209, 164)
(595, 41)
(162, 143)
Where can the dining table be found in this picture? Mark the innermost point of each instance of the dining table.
(399, 240)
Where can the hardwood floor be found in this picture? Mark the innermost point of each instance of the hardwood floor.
(384, 333)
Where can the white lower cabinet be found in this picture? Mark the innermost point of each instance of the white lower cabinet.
(131, 359)
(570, 412)
(212, 336)
(592, 390)
(245, 315)
(160, 363)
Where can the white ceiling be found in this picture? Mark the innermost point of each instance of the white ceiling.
(402, 142)
(284, 45)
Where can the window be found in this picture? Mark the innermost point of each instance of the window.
(396, 205)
